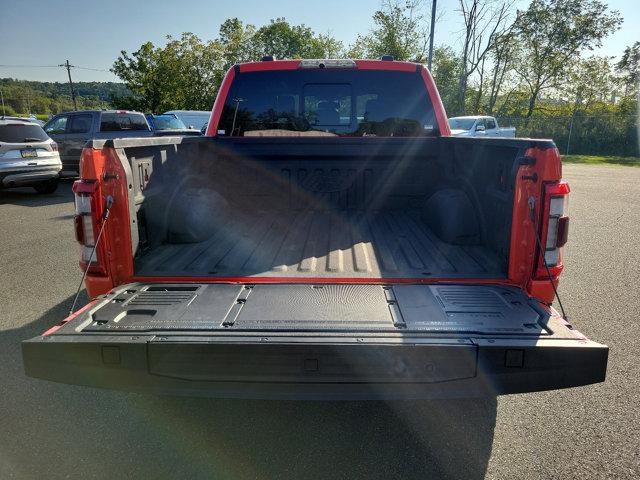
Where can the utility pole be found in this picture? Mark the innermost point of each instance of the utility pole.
(73, 94)
(433, 24)
(570, 130)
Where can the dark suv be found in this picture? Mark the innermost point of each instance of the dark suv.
(72, 130)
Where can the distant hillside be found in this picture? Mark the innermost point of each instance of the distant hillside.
(47, 98)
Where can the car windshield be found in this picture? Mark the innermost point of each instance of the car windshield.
(168, 122)
(327, 102)
(461, 123)
(22, 133)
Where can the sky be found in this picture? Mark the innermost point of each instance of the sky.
(91, 33)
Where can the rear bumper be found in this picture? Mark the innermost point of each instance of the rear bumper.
(24, 172)
(307, 367)
(33, 176)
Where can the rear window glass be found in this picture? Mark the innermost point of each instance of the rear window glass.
(118, 122)
(461, 123)
(168, 122)
(22, 133)
(328, 102)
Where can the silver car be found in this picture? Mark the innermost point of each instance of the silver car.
(28, 157)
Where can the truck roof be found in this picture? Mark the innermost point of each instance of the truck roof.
(173, 112)
(97, 110)
(474, 116)
(362, 64)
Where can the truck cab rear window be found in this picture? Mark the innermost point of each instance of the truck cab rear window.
(328, 103)
(117, 122)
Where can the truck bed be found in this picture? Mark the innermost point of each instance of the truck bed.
(301, 208)
(308, 244)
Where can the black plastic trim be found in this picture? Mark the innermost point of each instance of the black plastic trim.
(277, 369)
(313, 142)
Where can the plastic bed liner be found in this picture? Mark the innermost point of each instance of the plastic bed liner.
(332, 244)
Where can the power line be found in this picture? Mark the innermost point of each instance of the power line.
(29, 66)
(93, 69)
(66, 65)
(53, 66)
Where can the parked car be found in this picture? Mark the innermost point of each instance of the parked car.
(72, 130)
(332, 241)
(169, 124)
(28, 157)
(192, 118)
(31, 118)
(479, 126)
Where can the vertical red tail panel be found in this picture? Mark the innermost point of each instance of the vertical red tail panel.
(436, 101)
(523, 260)
(103, 170)
(221, 98)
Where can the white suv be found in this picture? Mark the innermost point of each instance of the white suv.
(28, 157)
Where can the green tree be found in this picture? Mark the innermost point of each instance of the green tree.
(283, 40)
(141, 72)
(629, 69)
(185, 73)
(502, 53)
(244, 43)
(399, 30)
(589, 81)
(484, 22)
(446, 72)
(551, 33)
(236, 41)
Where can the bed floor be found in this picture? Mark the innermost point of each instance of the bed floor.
(317, 244)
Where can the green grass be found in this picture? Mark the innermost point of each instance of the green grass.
(600, 160)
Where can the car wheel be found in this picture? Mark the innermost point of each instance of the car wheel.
(49, 186)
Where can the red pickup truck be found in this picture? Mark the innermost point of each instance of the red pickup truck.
(328, 238)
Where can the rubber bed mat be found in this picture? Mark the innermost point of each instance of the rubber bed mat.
(314, 244)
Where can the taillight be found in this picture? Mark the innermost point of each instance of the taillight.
(54, 147)
(85, 226)
(556, 224)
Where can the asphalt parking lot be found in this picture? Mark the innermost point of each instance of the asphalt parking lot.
(58, 431)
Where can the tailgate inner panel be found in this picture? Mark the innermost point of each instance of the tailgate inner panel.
(480, 309)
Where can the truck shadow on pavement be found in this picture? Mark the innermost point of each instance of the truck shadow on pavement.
(55, 431)
(28, 197)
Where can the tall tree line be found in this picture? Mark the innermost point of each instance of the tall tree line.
(532, 67)
(507, 61)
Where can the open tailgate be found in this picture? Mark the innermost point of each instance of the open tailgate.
(328, 341)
